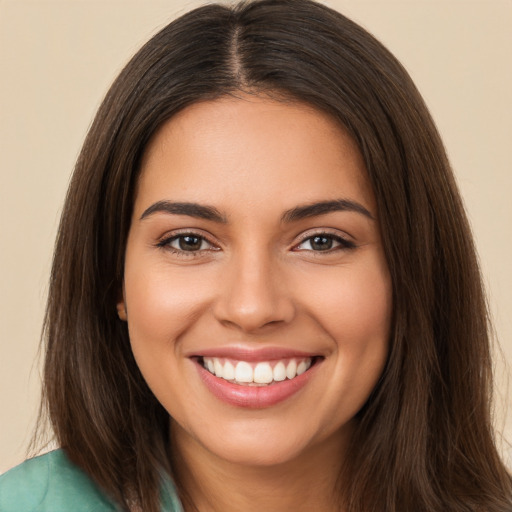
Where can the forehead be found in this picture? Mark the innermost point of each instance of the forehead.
(253, 149)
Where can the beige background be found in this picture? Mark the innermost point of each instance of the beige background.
(57, 59)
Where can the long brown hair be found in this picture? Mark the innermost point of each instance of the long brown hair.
(424, 440)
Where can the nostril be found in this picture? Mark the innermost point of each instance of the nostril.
(251, 297)
(255, 316)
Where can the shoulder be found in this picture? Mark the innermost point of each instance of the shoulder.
(51, 483)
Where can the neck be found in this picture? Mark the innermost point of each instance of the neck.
(213, 484)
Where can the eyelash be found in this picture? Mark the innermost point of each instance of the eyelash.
(344, 244)
(165, 244)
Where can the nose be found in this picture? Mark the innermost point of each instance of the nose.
(253, 294)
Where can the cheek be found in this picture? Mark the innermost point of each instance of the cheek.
(353, 304)
(161, 305)
(355, 312)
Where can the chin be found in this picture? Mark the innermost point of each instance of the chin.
(259, 454)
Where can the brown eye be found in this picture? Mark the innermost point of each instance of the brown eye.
(189, 243)
(324, 242)
(321, 243)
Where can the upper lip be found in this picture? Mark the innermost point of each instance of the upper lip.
(241, 353)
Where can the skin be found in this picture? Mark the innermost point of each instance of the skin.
(257, 281)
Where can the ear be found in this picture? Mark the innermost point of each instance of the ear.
(122, 312)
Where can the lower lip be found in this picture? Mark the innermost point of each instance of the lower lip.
(253, 397)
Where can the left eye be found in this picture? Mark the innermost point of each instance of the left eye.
(323, 242)
(188, 243)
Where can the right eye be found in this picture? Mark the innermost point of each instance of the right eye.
(186, 243)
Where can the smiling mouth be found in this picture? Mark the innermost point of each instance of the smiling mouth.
(262, 373)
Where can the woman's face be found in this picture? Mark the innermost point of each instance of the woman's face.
(256, 290)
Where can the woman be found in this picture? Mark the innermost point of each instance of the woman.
(264, 287)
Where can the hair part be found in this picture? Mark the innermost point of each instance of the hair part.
(424, 439)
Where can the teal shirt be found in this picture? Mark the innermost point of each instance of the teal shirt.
(52, 483)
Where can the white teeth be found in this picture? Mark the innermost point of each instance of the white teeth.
(229, 371)
(262, 373)
(218, 368)
(291, 369)
(279, 372)
(243, 372)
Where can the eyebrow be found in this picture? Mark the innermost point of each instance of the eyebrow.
(324, 207)
(299, 212)
(190, 209)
